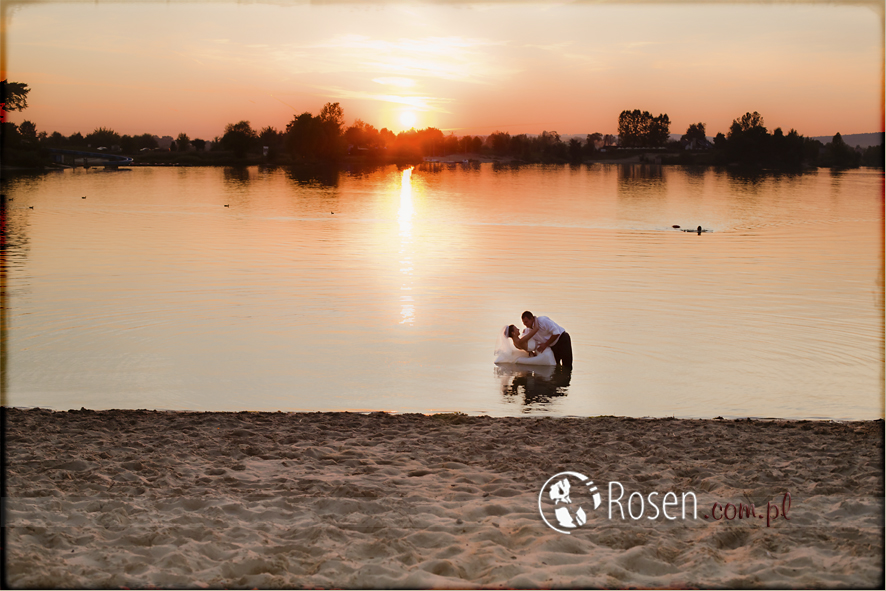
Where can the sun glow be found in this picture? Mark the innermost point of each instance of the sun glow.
(408, 119)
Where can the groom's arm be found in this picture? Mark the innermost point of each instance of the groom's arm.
(550, 342)
(530, 332)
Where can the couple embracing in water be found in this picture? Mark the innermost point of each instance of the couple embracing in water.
(543, 342)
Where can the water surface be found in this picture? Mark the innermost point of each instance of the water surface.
(384, 289)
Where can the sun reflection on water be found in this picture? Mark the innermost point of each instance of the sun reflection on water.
(404, 218)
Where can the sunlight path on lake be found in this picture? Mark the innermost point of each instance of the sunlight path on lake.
(404, 218)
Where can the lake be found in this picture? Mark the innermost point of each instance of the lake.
(385, 288)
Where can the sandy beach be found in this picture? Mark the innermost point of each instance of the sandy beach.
(143, 499)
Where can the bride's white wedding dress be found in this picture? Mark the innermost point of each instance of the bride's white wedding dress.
(506, 352)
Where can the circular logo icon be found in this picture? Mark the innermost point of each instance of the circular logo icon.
(565, 499)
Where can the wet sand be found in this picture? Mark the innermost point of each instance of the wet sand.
(269, 500)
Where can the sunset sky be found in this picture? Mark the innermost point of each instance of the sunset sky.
(167, 68)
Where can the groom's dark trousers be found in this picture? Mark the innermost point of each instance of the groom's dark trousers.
(563, 350)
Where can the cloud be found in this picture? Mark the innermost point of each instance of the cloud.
(637, 44)
(448, 58)
(395, 62)
(401, 82)
(422, 103)
(568, 55)
(347, 67)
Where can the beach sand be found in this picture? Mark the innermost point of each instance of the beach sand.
(267, 500)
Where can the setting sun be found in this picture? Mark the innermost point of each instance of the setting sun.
(408, 119)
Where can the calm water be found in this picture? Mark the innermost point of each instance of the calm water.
(385, 289)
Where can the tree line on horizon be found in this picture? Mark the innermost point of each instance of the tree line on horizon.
(325, 138)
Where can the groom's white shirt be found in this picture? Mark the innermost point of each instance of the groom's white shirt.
(546, 329)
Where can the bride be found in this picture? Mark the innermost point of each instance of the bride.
(513, 348)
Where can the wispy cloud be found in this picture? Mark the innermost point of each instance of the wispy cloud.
(555, 47)
(401, 82)
(404, 62)
(449, 58)
(638, 44)
(422, 103)
(349, 67)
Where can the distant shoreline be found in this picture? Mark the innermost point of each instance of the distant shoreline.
(208, 159)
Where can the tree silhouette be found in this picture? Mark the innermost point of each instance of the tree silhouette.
(28, 132)
(238, 138)
(363, 135)
(659, 131)
(839, 154)
(749, 143)
(873, 155)
(639, 129)
(103, 136)
(749, 122)
(430, 141)
(575, 150)
(332, 115)
(146, 140)
(14, 95)
(500, 143)
(696, 131)
(182, 142)
(747, 140)
(304, 135)
(57, 140)
(592, 141)
(317, 138)
(631, 127)
(551, 147)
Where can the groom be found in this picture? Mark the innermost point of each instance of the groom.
(548, 333)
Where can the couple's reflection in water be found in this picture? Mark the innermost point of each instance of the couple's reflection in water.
(533, 387)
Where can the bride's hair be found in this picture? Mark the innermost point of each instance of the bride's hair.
(510, 330)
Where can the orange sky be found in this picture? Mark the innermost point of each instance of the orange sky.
(167, 68)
